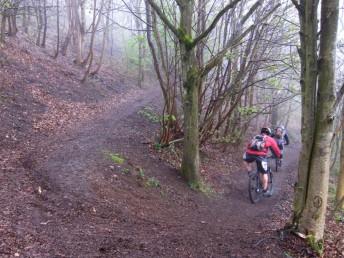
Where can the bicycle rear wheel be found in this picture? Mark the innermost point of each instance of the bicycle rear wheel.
(254, 188)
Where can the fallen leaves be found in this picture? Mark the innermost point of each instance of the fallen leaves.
(60, 113)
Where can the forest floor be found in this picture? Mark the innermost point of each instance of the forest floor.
(80, 176)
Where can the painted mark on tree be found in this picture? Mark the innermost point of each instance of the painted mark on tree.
(317, 201)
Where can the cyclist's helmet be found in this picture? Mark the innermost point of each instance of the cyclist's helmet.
(281, 127)
(266, 130)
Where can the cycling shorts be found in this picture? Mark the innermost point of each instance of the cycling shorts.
(262, 162)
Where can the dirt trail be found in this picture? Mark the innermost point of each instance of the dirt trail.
(62, 196)
(85, 209)
(71, 153)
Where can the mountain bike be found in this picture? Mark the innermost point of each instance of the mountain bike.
(255, 188)
(277, 163)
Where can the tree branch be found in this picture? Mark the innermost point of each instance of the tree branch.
(219, 56)
(214, 22)
(235, 39)
(249, 13)
(297, 5)
(164, 18)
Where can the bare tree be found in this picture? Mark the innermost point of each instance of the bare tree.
(108, 5)
(97, 14)
(192, 74)
(57, 28)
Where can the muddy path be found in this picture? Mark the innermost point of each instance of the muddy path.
(63, 161)
(88, 207)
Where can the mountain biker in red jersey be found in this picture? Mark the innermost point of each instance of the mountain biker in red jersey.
(259, 154)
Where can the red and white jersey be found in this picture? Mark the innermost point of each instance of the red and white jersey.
(269, 142)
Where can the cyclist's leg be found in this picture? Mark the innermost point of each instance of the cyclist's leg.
(248, 159)
(262, 166)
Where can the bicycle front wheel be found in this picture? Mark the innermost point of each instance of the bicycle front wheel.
(254, 188)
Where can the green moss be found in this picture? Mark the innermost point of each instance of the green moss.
(152, 182)
(316, 245)
(141, 174)
(202, 187)
(116, 158)
(149, 114)
(186, 39)
(126, 171)
(192, 76)
(339, 217)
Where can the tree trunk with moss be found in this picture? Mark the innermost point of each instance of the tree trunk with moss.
(313, 212)
(308, 56)
(190, 77)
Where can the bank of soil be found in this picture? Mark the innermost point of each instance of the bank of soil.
(80, 176)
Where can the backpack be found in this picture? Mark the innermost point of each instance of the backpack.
(257, 143)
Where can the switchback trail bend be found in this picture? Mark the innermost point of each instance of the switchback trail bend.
(86, 209)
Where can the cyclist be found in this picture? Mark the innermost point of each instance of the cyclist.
(257, 151)
(285, 135)
(281, 136)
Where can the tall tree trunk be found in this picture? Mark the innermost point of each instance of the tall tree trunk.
(76, 31)
(12, 19)
(286, 124)
(39, 23)
(68, 38)
(138, 24)
(82, 26)
(308, 55)
(95, 23)
(9, 23)
(3, 28)
(45, 18)
(57, 28)
(25, 23)
(190, 163)
(313, 217)
(105, 35)
(29, 16)
(191, 80)
(274, 115)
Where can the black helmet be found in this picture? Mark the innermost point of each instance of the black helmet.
(266, 130)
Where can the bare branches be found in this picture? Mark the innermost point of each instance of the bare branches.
(164, 18)
(235, 39)
(215, 21)
(296, 3)
(217, 58)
